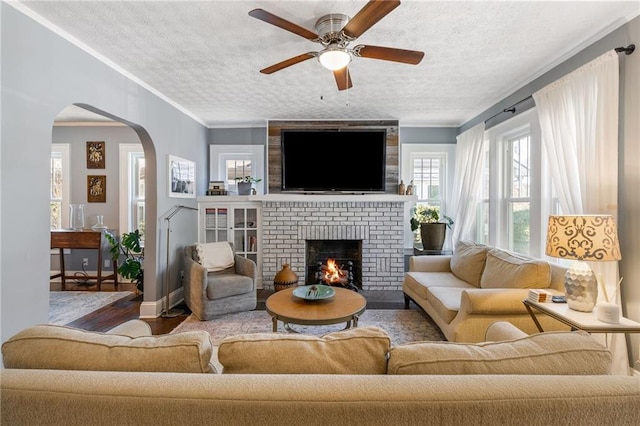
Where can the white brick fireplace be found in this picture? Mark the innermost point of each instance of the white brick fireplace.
(289, 221)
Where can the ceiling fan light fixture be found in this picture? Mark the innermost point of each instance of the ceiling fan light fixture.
(334, 58)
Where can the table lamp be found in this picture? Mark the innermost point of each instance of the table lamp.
(582, 238)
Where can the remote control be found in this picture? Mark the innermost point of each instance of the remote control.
(559, 299)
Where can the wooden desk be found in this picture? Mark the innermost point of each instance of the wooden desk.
(86, 239)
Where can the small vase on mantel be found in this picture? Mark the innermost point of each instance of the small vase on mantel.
(286, 278)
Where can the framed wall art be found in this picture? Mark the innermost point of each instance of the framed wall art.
(181, 177)
(95, 155)
(97, 189)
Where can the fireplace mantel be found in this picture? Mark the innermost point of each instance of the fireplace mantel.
(278, 197)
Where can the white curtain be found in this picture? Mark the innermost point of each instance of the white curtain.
(466, 181)
(579, 125)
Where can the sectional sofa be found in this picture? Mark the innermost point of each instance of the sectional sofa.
(465, 292)
(61, 376)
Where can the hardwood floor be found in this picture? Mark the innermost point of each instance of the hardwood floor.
(120, 311)
(128, 308)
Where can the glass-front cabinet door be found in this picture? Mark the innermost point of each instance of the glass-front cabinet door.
(245, 232)
(221, 218)
(216, 224)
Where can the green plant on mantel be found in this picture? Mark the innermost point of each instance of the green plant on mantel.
(427, 214)
(130, 247)
(248, 179)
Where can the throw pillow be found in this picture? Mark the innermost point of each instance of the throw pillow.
(215, 256)
(56, 347)
(360, 350)
(468, 261)
(552, 353)
(510, 270)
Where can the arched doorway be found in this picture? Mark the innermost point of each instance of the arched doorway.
(75, 127)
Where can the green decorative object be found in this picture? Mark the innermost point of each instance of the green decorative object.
(314, 292)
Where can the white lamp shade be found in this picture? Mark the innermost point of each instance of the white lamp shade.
(334, 58)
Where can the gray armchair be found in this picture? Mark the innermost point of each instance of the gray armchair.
(211, 294)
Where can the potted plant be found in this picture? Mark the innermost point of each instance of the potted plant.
(245, 184)
(433, 228)
(129, 246)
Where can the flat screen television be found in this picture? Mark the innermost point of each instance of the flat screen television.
(333, 160)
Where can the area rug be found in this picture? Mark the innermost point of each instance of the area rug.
(403, 325)
(68, 306)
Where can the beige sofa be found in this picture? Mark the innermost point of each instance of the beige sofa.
(544, 379)
(465, 292)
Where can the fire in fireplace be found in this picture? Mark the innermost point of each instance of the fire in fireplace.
(333, 274)
(335, 262)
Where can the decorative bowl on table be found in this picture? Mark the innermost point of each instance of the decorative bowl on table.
(314, 292)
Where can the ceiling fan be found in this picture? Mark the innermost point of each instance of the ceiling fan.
(335, 32)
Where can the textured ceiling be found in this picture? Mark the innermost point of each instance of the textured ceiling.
(206, 56)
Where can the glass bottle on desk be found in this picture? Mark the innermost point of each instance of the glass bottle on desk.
(76, 217)
(99, 226)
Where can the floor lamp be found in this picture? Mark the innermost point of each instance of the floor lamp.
(168, 312)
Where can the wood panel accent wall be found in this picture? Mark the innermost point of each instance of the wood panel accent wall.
(392, 175)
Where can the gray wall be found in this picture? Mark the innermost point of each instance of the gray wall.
(42, 74)
(238, 136)
(434, 135)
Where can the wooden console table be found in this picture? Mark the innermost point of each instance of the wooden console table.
(86, 239)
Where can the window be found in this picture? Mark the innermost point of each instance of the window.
(228, 162)
(237, 168)
(482, 212)
(132, 184)
(427, 178)
(518, 201)
(59, 186)
(425, 167)
(516, 191)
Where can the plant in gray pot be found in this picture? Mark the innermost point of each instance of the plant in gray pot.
(245, 184)
(433, 229)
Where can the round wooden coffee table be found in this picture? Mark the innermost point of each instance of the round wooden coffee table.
(345, 306)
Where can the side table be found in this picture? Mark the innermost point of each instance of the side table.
(586, 321)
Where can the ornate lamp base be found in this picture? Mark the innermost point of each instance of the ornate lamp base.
(581, 287)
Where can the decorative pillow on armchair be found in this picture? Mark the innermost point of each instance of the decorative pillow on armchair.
(215, 256)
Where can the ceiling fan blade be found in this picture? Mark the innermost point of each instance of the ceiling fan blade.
(272, 19)
(412, 57)
(287, 63)
(343, 78)
(371, 13)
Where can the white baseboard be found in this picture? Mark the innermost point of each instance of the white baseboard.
(155, 308)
